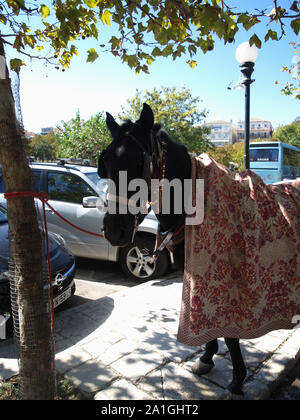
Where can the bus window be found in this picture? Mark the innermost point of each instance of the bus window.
(264, 155)
(291, 158)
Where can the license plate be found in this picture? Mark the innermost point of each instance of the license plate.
(62, 297)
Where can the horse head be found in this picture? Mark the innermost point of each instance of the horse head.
(129, 157)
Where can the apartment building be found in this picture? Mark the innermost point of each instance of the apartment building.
(46, 130)
(259, 128)
(222, 132)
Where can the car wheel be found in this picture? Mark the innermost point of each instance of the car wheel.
(136, 260)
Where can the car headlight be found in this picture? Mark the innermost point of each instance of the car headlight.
(58, 238)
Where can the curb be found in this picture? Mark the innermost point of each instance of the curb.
(274, 370)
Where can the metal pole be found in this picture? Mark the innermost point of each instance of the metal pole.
(247, 126)
(247, 70)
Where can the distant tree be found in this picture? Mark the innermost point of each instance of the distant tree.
(293, 88)
(83, 139)
(289, 134)
(178, 112)
(229, 153)
(44, 147)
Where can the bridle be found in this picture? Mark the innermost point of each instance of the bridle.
(154, 166)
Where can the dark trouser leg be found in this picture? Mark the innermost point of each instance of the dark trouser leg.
(239, 368)
(211, 348)
(205, 363)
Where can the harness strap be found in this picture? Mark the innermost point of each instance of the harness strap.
(169, 238)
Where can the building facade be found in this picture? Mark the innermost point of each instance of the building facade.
(222, 132)
(259, 128)
(46, 130)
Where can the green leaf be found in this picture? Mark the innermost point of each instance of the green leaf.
(168, 50)
(16, 64)
(18, 44)
(115, 42)
(156, 52)
(255, 40)
(295, 24)
(180, 50)
(45, 11)
(132, 60)
(29, 40)
(248, 21)
(92, 55)
(192, 49)
(271, 34)
(141, 27)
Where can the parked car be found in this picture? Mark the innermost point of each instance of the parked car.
(62, 270)
(72, 191)
(287, 181)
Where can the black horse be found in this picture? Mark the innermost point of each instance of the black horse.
(144, 150)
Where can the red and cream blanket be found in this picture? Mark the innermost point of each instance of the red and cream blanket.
(242, 264)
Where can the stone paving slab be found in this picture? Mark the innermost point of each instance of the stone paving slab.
(173, 382)
(91, 376)
(122, 390)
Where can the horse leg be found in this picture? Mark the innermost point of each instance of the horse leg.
(239, 368)
(205, 363)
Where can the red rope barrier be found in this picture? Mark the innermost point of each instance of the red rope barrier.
(44, 199)
(71, 224)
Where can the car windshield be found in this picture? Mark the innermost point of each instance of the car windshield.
(94, 177)
(3, 215)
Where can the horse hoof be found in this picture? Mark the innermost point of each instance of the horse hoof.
(229, 396)
(199, 368)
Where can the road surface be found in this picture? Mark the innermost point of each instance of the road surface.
(95, 279)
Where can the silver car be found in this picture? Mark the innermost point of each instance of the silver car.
(72, 192)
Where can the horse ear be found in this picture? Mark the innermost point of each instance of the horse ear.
(147, 117)
(112, 125)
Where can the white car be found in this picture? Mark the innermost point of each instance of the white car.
(286, 181)
(72, 192)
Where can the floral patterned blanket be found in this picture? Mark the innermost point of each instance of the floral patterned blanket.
(242, 264)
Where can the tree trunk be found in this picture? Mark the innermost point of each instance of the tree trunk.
(37, 373)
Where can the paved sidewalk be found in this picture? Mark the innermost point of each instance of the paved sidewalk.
(123, 347)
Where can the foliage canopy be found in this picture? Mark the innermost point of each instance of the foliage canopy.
(143, 30)
(289, 134)
(43, 147)
(83, 139)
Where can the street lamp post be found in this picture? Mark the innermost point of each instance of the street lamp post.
(246, 56)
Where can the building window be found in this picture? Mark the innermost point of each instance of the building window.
(217, 128)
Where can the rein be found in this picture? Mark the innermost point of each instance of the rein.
(175, 234)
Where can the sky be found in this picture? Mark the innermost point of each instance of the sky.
(49, 96)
